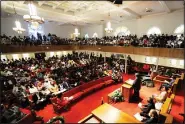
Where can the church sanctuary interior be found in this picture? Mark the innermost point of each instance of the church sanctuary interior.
(111, 61)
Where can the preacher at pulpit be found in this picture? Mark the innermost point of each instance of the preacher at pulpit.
(136, 86)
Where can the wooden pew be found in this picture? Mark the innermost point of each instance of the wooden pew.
(181, 82)
(160, 79)
(175, 84)
(172, 99)
(165, 118)
(182, 76)
(166, 105)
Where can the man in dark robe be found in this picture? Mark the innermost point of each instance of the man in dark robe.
(136, 86)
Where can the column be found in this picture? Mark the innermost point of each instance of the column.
(105, 57)
(157, 63)
(125, 64)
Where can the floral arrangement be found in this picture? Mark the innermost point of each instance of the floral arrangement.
(117, 96)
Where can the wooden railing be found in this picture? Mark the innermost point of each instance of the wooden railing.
(161, 52)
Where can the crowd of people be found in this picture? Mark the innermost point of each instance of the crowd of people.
(153, 40)
(44, 78)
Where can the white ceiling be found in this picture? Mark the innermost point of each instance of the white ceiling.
(91, 12)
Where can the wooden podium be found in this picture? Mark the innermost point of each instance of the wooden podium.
(127, 90)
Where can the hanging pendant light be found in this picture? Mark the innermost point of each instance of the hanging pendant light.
(76, 31)
(108, 29)
(18, 27)
(33, 18)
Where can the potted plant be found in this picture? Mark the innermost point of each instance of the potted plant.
(117, 96)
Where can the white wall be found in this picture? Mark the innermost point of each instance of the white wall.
(8, 23)
(90, 30)
(63, 31)
(166, 22)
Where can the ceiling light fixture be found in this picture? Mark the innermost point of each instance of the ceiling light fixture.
(76, 30)
(33, 18)
(108, 29)
(18, 27)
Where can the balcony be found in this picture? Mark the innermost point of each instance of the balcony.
(161, 52)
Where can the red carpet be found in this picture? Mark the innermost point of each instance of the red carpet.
(84, 106)
(178, 107)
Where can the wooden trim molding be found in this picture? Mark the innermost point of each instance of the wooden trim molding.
(159, 52)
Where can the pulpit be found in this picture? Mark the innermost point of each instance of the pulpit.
(127, 90)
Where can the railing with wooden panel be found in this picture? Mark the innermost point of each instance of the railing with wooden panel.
(161, 52)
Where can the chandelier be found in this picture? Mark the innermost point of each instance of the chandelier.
(18, 27)
(108, 29)
(33, 18)
(76, 32)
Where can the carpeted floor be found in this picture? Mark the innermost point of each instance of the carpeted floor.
(84, 106)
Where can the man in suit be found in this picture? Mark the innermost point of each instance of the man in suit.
(137, 86)
(152, 119)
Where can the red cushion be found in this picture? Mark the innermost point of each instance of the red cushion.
(77, 95)
(53, 100)
(57, 106)
(109, 82)
(88, 85)
(107, 78)
(98, 86)
(72, 92)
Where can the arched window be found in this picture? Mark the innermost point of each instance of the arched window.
(86, 36)
(122, 31)
(154, 30)
(95, 35)
(179, 30)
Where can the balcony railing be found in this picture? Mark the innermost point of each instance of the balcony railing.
(147, 51)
